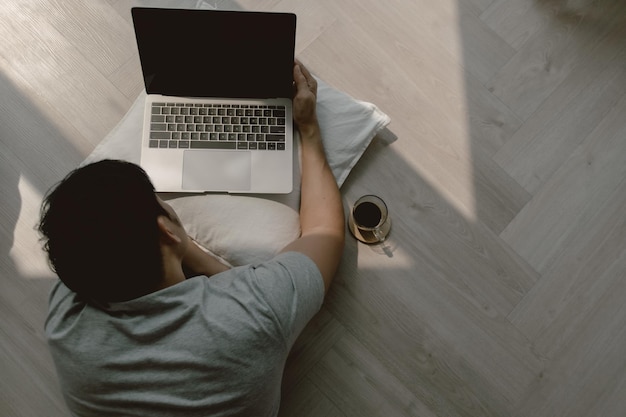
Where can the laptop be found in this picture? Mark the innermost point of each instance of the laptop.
(218, 115)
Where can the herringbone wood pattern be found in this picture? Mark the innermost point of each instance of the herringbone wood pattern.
(501, 291)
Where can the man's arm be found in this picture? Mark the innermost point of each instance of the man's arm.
(198, 262)
(321, 208)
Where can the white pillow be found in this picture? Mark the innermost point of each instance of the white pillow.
(243, 229)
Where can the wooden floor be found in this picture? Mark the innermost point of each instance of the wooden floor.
(502, 292)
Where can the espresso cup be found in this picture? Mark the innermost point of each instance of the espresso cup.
(369, 219)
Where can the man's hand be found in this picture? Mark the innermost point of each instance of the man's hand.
(305, 99)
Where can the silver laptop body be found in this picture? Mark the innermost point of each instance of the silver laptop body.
(218, 115)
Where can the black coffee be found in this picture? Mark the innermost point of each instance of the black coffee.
(367, 214)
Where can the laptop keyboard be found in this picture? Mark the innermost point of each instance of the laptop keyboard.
(217, 126)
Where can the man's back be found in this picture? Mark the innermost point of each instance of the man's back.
(172, 346)
(206, 346)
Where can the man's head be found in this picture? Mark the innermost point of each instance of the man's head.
(101, 234)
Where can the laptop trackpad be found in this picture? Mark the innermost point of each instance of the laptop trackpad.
(216, 170)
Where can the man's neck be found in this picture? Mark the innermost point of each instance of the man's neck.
(172, 272)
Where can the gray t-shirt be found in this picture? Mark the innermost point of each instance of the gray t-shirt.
(204, 347)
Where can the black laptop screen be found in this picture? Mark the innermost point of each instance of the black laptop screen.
(208, 53)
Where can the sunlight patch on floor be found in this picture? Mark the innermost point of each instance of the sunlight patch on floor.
(30, 261)
(440, 132)
(455, 111)
(390, 254)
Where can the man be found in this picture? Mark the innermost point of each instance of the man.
(137, 328)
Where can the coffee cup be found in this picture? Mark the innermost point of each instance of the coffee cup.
(369, 219)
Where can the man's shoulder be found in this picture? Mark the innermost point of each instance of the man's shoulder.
(294, 267)
(292, 286)
(293, 260)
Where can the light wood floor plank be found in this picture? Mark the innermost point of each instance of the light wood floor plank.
(516, 21)
(541, 66)
(582, 185)
(306, 400)
(613, 401)
(500, 289)
(492, 124)
(312, 20)
(476, 6)
(484, 52)
(425, 354)
(571, 288)
(100, 36)
(128, 78)
(37, 140)
(317, 338)
(359, 385)
(93, 108)
(592, 365)
(583, 99)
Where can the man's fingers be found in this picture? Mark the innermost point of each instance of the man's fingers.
(298, 76)
(306, 75)
(305, 70)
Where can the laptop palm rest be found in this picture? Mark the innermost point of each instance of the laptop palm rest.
(217, 170)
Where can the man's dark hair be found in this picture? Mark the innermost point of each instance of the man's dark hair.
(100, 231)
